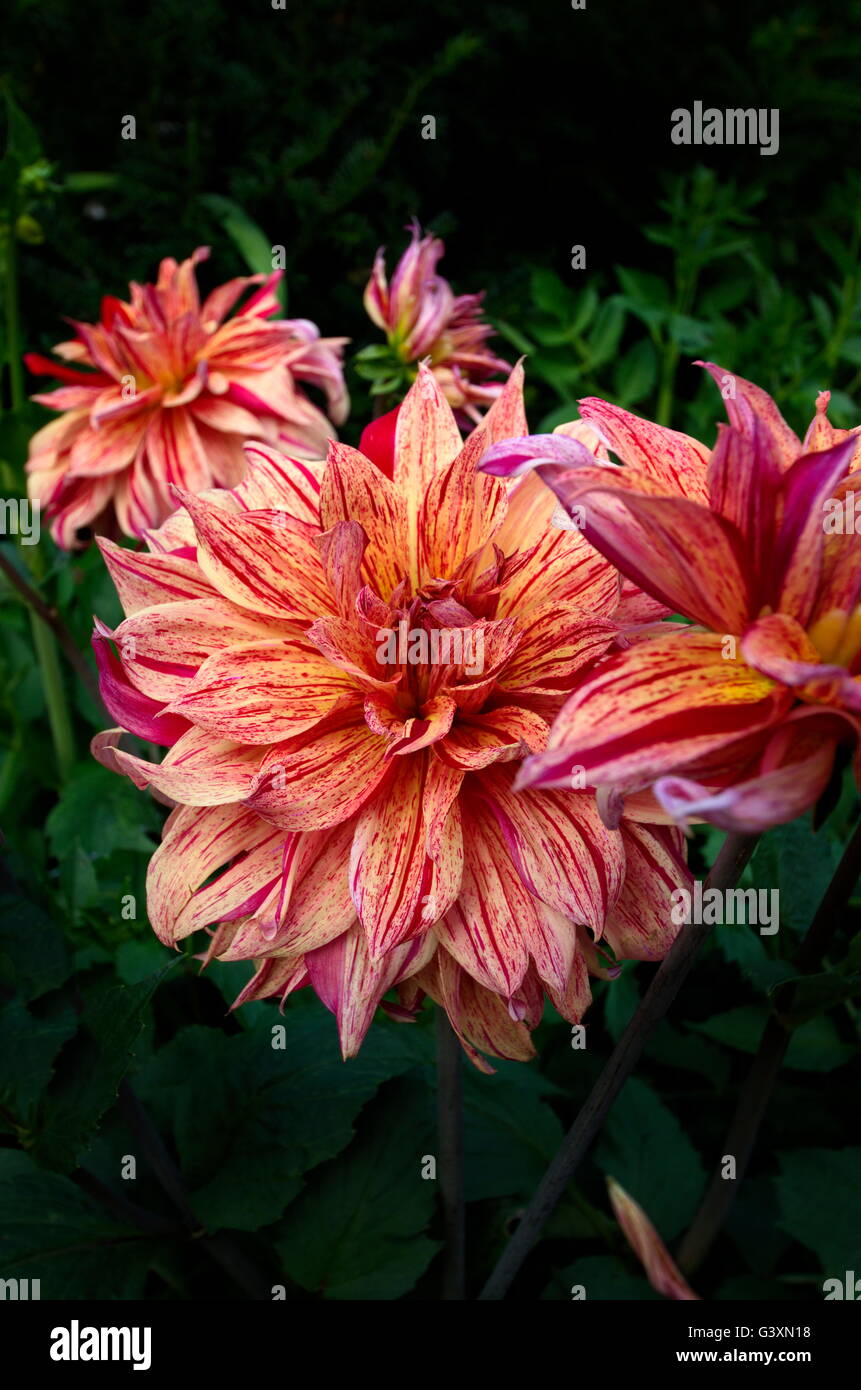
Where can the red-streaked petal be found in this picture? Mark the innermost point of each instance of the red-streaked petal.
(142, 580)
(655, 707)
(426, 441)
(480, 739)
(196, 842)
(640, 926)
(264, 561)
(675, 462)
(353, 489)
(559, 640)
(748, 406)
(197, 770)
(321, 777)
(398, 890)
(262, 692)
(560, 847)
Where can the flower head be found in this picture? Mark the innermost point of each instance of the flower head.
(741, 716)
(424, 320)
(346, 669)
(171, 390)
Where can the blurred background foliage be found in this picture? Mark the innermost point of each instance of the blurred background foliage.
(301, 127)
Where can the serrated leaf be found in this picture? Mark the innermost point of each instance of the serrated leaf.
(818, 1195)
(51, 1231)
(89, 1071)
(357, 1231)
(643, 1142)
(259, 1116)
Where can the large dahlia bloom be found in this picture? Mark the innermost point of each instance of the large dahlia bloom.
(424, 319)
(171, 390)
(744, 715)
(346, 669)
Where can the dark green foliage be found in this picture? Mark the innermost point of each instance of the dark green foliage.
(138, 1117)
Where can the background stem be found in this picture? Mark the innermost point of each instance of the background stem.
(728, 867)
(757, 1090)
(450, 1130)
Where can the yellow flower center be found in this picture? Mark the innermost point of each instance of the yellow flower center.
(837, 636)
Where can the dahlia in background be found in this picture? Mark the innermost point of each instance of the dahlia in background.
(346, 669)
(172, 391)
(746, 715)
(423, 319)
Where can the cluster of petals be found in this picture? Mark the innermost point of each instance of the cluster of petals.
(747, 714)
(350, 823)
(423, 319)
(163, 392)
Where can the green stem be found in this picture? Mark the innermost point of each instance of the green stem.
(55, 696)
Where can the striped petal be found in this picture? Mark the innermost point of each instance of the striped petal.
(354, 489)
(640, 926)
(675, 462)
(197, 770)
(750, 409)
(261, 692)
(426, 441)
(660, 704)
(142, 580)
(321, 777)
(264, 561)
(560, 847)
(400, 891)
(196, 842)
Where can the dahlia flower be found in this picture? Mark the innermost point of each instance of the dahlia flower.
(744, 715)
(171, 392)
(344, 813)
(424, 320)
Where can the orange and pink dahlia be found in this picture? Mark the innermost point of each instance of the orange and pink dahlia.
(346, 669)
(171, 390)
(424, 320)
(747, 714)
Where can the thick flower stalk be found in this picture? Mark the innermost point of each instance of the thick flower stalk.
(744, 715)
(171, 390)
(346, 669)
(424, 320)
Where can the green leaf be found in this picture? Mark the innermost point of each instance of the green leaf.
(621, 997)
(89, 1071)
(249, 239)
(258, 1116)
(815, 1046)
(602, 1278)
(818, 1195)
(800, 862)
(357, 1231)
(643, 288)
(643, 1142)
(29, 1043)
(510, 1133)
(51, 1231)
(33, 954)
(606, 331)
(87, 182)
(102, 813)
(551, 295)
(636, 373)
